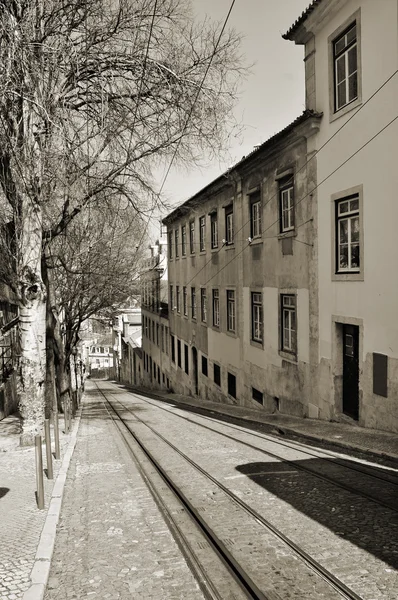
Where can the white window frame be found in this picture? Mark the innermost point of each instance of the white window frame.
(231, 311)
(185, 300)
(177, 242)
(257, 317)
(183, 240)
(255, 214)
(171, 297)
(348, 216)
(229, 225)
(214, 230)
(178, 298)
(203, 304)
(286, 192)
(343, 57)
(192, 237)
(193, 303)
(170, 245)
(216, 307)
(289, 323)
(202, 234)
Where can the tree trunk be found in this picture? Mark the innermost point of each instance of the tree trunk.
(32, 323)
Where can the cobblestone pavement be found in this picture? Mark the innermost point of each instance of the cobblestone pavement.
(351, 536)
(351, 436)
(112, 541)
(21, 522)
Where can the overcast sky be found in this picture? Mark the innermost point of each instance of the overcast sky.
(273, 94)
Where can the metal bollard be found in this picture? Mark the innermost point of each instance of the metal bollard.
(56, 435)
(39, 473)
(49, 457)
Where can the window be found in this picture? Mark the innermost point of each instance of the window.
(171, 297)
(204, 365)
(202, 234)
(173, 348)
(184, 240)
(286, 205)
(257, 396)
(186, 359)
(185, 301)
(170, 244)
(153, 331)
(162, 337)
(255, 214)
(232, 385)
(214, 230)
(257, 317)
(216, 308)
(345, 63)
(179, 353)
(217, 374)
(177, 243)
(348, 235)
(178, 298)
(192, 237)
(289, 328)
(193, 302)
(166, 339)
(231, 310)
(158, 375)
(203, 305)
(157, 334)
(229, 225)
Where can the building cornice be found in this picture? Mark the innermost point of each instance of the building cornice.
(316, 16)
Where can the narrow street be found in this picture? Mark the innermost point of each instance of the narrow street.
(290, 520)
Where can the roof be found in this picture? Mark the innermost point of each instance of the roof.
(304, 16)
(179, 211)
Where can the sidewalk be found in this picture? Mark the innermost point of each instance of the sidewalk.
(27, 534)
(374, 443)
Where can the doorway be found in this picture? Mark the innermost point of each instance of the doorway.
(351, 371)
(195, 369)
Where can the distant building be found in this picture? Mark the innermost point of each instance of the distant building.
(155, 323)
(9, 352)
(100, 357)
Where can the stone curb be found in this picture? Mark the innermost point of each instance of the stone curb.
(305, 435)
(41, 567)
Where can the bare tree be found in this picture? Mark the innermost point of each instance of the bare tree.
(95, 94)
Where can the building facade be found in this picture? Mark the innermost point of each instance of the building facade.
(242, 284)
(155, 322)
(351, 64)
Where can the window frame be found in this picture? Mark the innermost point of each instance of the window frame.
(170, 253)
(333, 114)
(255, 305)
(337, 56)
(229, 225)
(217, 366)
(205, 366)
(171, 296)
(179, 362)
(255, 224)
(177, 243)
(287, 185)
(192, 237)
(347, 217)
(231, 317)
(214, 230)
(288, 309)
(193, 303)
(173, 348)
(231, 385)
(185, 301)
(203, 305)
(183, 240)
(213, 298)
(337, 275)
(202, 234)
(178, 299)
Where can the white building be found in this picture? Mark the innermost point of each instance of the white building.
(351, 64)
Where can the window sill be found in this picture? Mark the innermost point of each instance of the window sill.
(229, 246)
(215, 249)
(347, 276)
(231, 334)
(258, 345)
(202, 252)
(204, 323)
(346, 109)
(215, 328)
(289, 356)
(287, 234)
(256, 241)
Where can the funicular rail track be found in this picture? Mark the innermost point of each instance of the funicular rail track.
(337, 588)
(390, 481)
